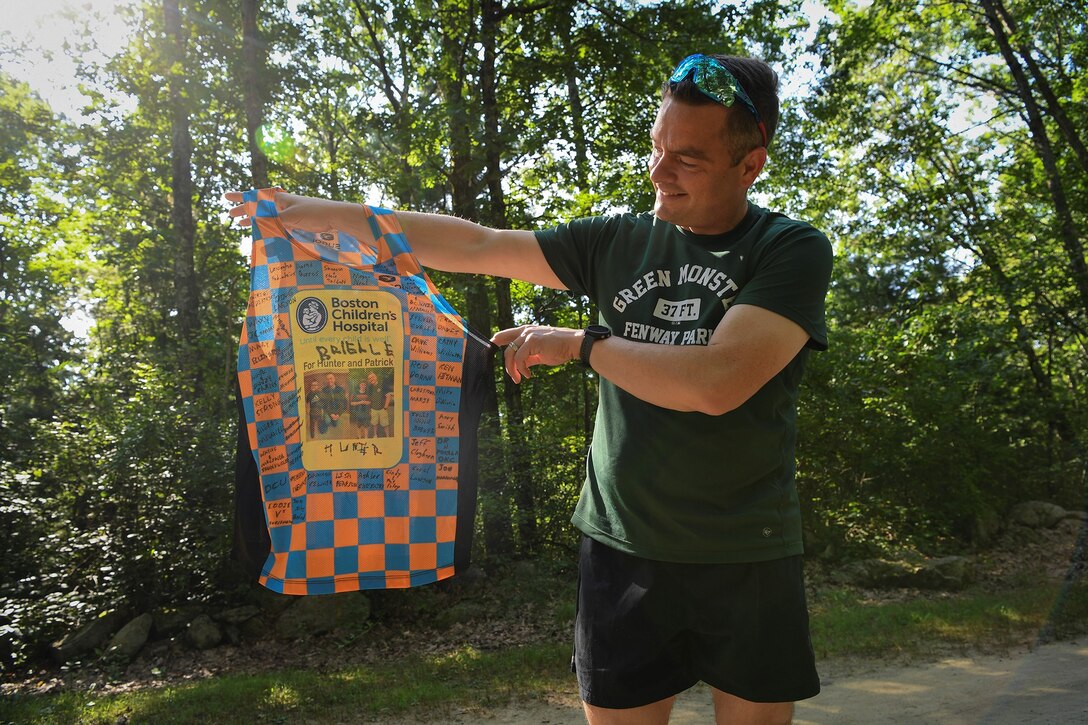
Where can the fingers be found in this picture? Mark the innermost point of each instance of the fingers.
(516, 367)
(240, 213)
(513, 342)
(240, 216)
(505, 337)
(531, 345)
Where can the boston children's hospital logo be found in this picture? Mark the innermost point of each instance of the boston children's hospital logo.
(311, 315)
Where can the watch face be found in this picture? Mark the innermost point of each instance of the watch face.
(598, 331)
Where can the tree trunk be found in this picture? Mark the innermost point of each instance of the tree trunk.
(1067, 227)
(181, 187)
(253, 56)
(1057, 111)
(1058, 421)
(574, 98)
(520, 464)
(494, 499)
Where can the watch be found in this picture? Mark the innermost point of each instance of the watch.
(591, 335)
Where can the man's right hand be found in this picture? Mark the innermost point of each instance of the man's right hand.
(303, 212)
(240, 213)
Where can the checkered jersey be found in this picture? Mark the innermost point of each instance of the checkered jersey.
(359, 386)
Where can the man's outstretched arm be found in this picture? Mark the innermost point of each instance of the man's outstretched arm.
(442, 242)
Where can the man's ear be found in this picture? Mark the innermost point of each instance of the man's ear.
(752, 164)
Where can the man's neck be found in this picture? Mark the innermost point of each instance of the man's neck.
(728, 222)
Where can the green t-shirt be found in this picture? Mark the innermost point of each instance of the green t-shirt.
(686, 486)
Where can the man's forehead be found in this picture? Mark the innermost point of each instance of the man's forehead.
(689, 130)
(680, 144)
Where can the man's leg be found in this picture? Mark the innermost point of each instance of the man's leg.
(732, 710)
(728, 710)
(758, 656)
(629, 659)
(656, 713)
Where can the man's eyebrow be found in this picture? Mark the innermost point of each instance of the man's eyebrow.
(691, 152)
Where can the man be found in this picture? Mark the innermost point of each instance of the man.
(691, 562)
(315, 410)
(359, 411)
(334, 401)
(380, 394)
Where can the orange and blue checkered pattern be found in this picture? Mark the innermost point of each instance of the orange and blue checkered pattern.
(351, 529)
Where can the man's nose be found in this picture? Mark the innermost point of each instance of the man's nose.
(660, 167)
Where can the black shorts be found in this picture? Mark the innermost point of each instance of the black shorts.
(646, 630)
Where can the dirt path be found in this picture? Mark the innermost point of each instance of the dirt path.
(1047, 685)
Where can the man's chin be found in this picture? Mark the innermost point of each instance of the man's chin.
(665, 215)
(664, 212)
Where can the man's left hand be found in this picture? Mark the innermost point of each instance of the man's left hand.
(531, 345)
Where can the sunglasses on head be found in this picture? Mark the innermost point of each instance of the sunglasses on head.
(716, 82)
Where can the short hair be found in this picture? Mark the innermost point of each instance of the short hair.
(759, 81)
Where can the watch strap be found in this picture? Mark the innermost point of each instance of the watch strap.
(590, 336)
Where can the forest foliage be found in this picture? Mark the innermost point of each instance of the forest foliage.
(940, 145)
